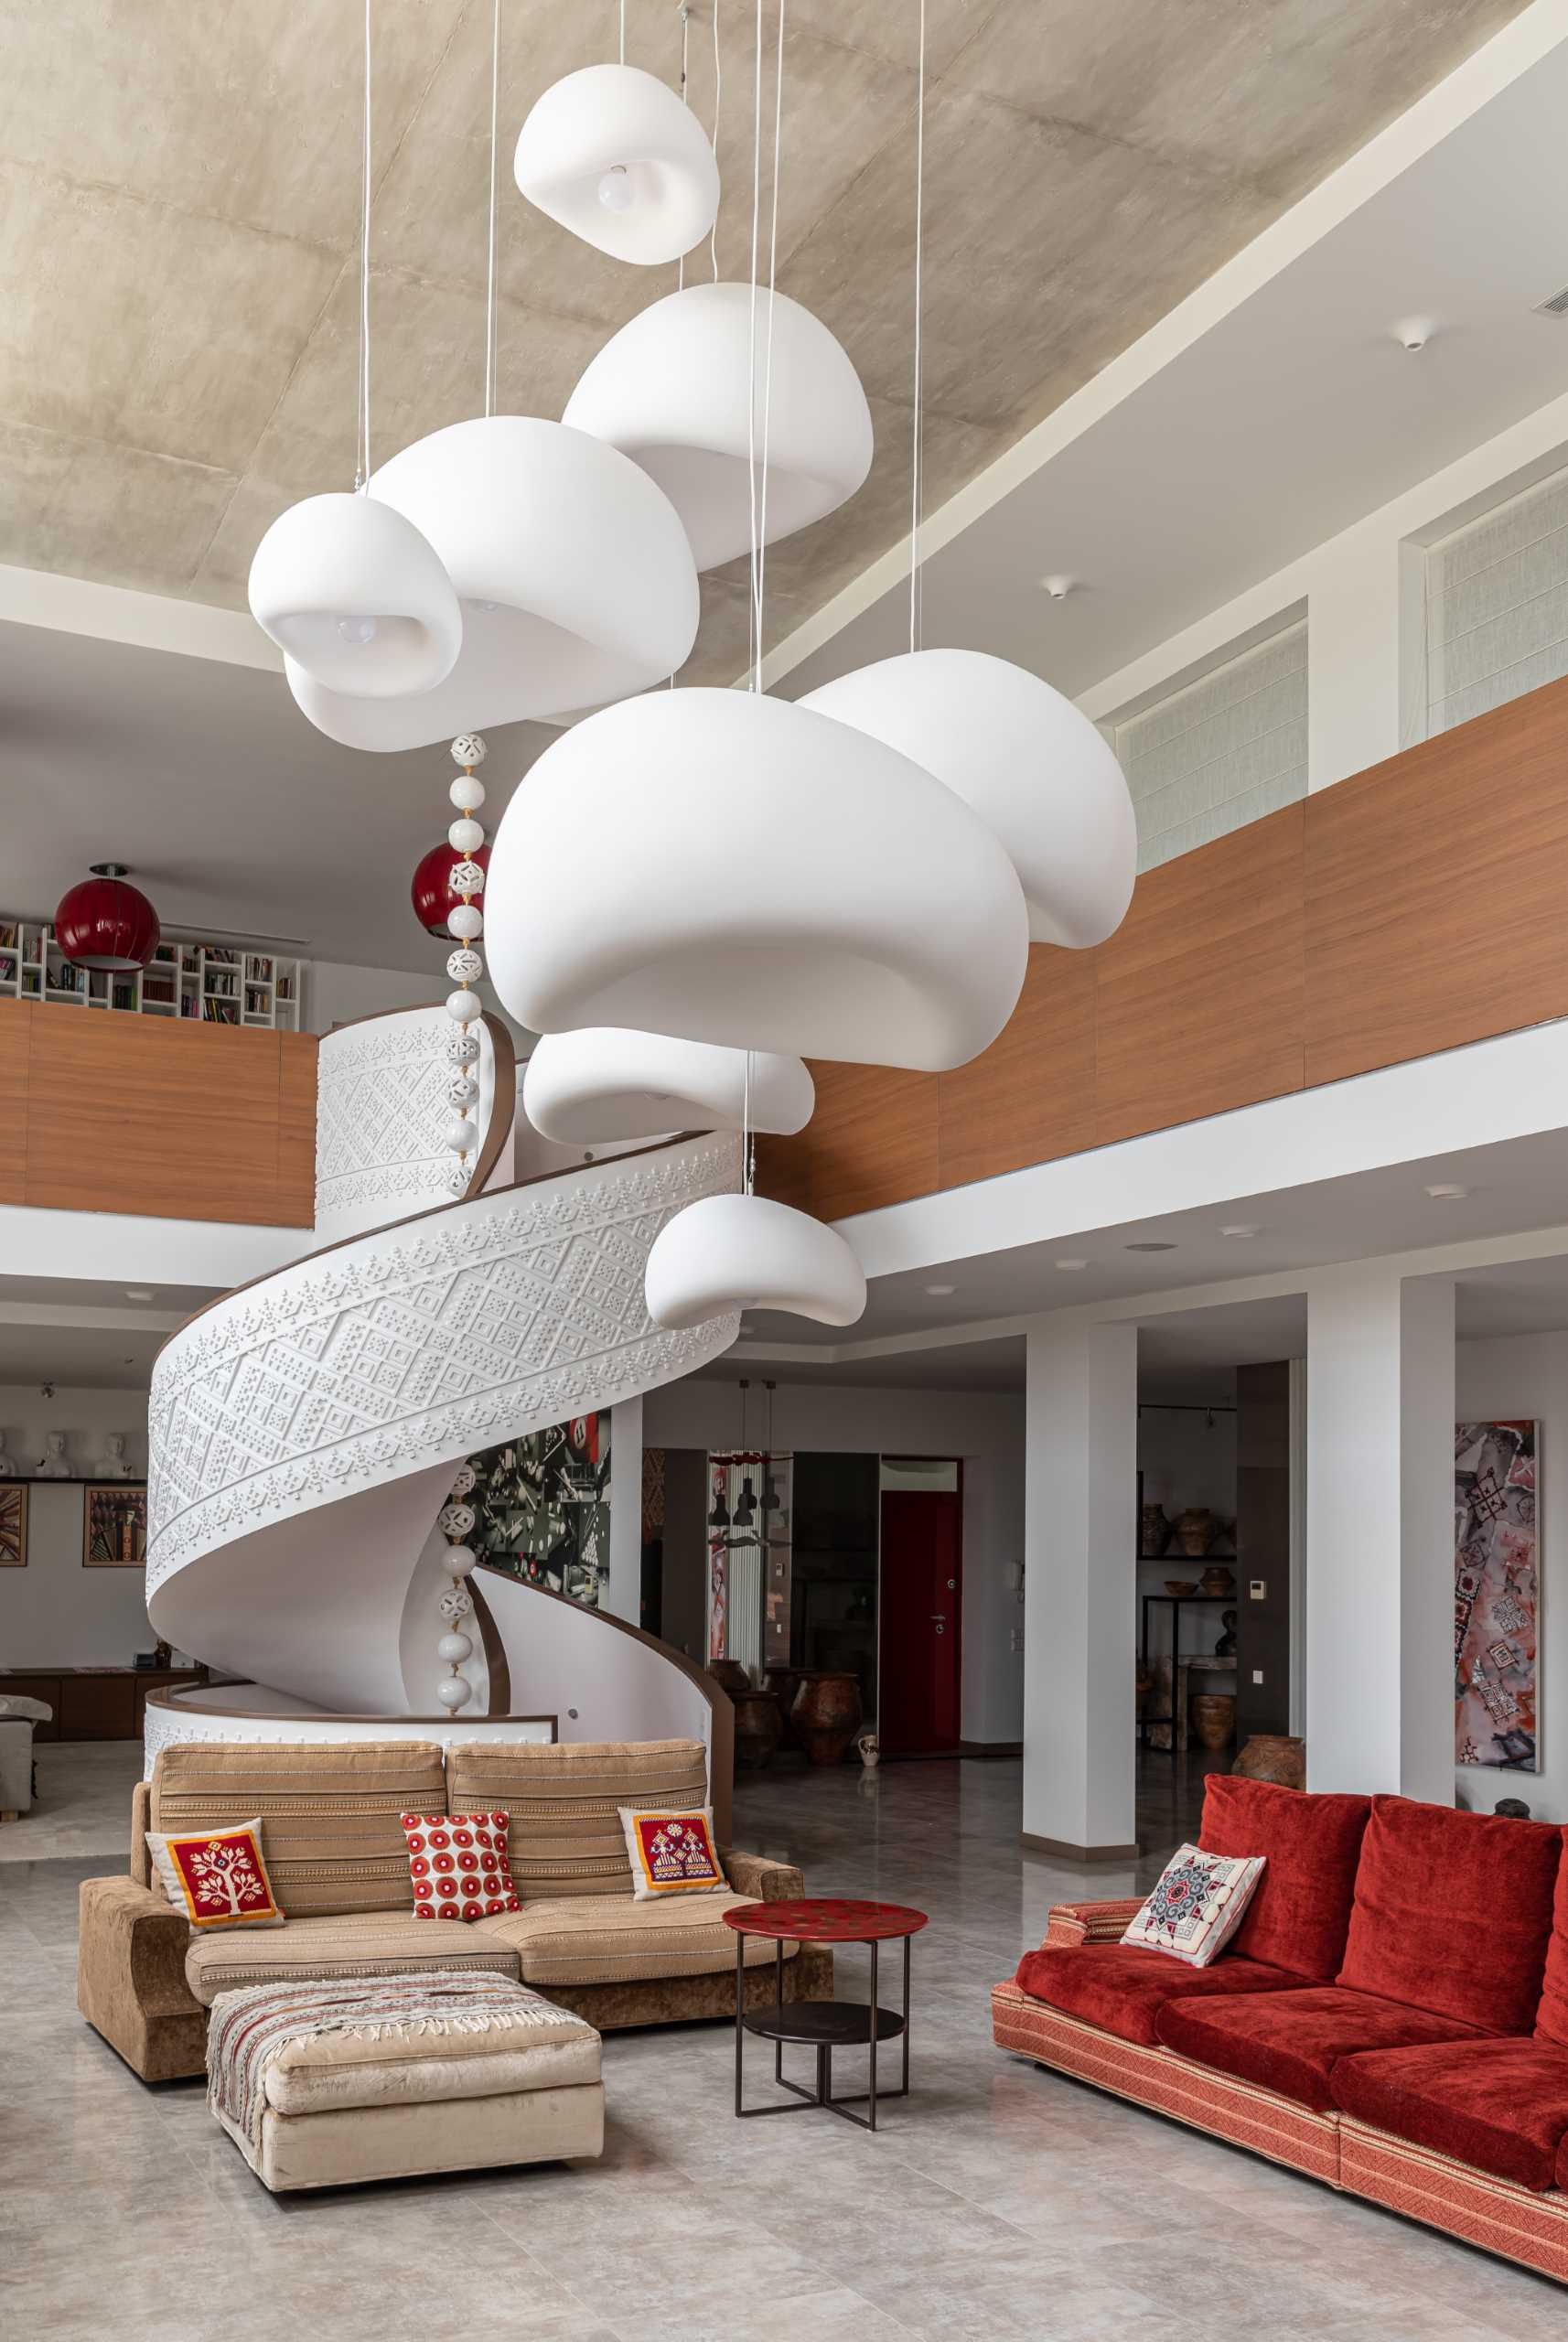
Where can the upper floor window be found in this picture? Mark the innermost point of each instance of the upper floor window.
(1221, 751)
(1496, 606)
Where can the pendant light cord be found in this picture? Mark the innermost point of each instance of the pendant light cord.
(917, 449)
(623, 31)
(768, 361)
(718, 101)
(685, 16)
(756, 220)
(490, 277)
(362, 451)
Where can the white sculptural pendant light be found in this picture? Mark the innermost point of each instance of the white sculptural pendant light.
(1032, 765)
(745, 1251)
(677, 389)
(355, 598)
(607, 1083)
(842, 903)
(615, 155)
(574, 571)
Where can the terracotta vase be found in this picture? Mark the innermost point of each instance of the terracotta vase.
(1195, 1530)
(732, 1675)
(826, 1714)
(1276, 1756)
(757, 1729)
(1154, 1533)
(1217, 1579)
(1214, 1718)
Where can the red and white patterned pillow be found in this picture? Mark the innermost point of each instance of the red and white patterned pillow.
(1198, 1902)
(458, 1864)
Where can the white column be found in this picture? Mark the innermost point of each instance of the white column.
(623, 1595)
(1080, 1624)
(1379, 1533)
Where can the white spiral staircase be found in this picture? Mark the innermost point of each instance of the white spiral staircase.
(304, 1430)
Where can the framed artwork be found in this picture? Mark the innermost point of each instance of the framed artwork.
(13, 1525)
(1497, 1595)
(114, 1525)
(542, 1509)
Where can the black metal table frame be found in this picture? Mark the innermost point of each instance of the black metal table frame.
(823, 2095)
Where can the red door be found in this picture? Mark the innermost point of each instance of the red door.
(918, 1613)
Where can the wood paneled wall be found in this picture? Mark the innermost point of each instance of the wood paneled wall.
(1414, 907)
(106, 1111)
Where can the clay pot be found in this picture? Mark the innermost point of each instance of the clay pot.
(826, 1714)
(732, 1675)
(1214, 1718)
(1276, 1756)
(757, 1730)
(1153, 1531)
(1181, 1586)
(1195, 1530)
(1217, 1580)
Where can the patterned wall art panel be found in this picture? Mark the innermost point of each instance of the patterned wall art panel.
(1497, 1595)
(13, 1526)
(113, 1527)
(543, 1508)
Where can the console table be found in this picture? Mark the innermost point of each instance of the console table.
(95, 1703)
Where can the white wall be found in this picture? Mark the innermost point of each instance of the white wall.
(1527, 1375)
(336, 994)
(54, 1613)
(1365, 604)
(985, 1429)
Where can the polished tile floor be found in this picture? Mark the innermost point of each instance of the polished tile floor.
(999, 2203)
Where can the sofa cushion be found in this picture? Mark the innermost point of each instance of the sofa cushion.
(1501, 2105)
(1291, 2042)
(1122, 1989)
(564, 1800)
(1453, 1912)
(368, 1943)
(334, 1840)
(1552, 2016)
(1300, 1910)
(610, 1939)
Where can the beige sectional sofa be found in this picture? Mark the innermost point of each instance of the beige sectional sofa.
(338, 1861)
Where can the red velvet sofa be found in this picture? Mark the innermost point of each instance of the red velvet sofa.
(1391, 2016)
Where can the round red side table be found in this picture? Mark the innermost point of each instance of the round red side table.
(821, 2025)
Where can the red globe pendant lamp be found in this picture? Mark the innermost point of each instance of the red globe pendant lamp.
(433, 895)
(103, 923)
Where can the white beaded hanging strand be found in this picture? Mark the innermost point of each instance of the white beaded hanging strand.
(718, 98)
(457, 1520)
(464, 964)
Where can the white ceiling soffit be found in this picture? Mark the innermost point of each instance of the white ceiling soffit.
(1270, 408)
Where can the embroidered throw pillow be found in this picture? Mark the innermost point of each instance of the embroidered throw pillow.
(458, 1864)
(671, 1854)
(216, 1878)
(1198, 1902)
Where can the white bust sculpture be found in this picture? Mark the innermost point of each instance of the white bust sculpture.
(115, 1465)
(52, 1463)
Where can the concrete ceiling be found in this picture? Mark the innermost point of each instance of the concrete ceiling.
(177, 351)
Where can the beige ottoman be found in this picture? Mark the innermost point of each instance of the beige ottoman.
(329, 2085)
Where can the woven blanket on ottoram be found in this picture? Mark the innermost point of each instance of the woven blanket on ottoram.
(251, 2027)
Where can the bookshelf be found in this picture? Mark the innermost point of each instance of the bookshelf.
(215, 983)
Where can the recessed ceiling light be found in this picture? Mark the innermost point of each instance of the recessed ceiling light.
(1446, 1192)
(138, 1292)
(940, 1290)
(1059, 588)
(1412, 333)
(1148, 1248)
(1069, 1264)
(1239, 1227)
